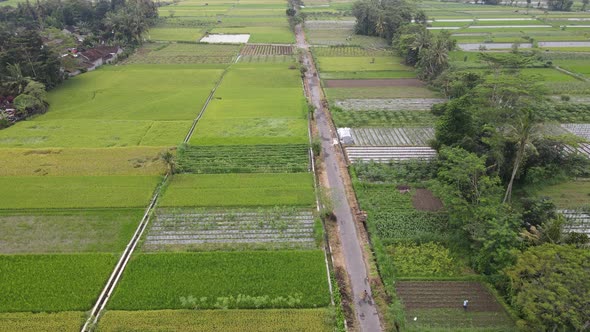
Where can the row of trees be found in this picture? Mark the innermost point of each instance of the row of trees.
(490, 140)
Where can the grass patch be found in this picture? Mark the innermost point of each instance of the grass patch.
(67, 231)
(69, 282)
(262, 320)
(425, 260)
(215, 280)
(569, 194)
(20, 192)
(110, 161)
(41, 322)
(239, 190)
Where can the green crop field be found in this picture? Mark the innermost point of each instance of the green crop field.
(361, 64)
(133, 92)
(50, 231)
(41, 322)
(66, 282)
(271, 34)
(285, 158)
(255, 104)
(239, 190)
(343, 118)
(261, 320)
(28, 192)
(282, 279)
(110, 161)
(380, 92)
(93, 133)
(176, 34)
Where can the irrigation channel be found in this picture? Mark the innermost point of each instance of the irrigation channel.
(115, 276)
(366, 314)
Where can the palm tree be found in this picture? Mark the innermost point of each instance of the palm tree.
(168, 158)
(16, 77)
(525, 130)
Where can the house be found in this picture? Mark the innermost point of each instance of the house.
(95, 57)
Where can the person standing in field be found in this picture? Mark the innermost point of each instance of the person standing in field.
(465, 305)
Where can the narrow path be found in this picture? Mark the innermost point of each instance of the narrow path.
(115, 276)
(366, 314)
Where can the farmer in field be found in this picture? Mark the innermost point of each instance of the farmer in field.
(465, 305)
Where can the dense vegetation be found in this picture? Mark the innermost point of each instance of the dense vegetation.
(494, 151)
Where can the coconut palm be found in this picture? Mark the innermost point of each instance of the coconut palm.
(524, 131)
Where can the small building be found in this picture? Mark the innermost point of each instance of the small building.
(97, 56)
(345, 135)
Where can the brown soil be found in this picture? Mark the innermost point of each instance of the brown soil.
(412, 82)
(424, 200)
(446, 294)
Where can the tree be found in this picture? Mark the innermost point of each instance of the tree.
(550, 287)
(170, 161)
(524, 130)
(455, 125)
(560, 5)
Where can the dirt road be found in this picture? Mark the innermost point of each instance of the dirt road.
(351, 246)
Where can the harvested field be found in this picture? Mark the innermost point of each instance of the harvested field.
(392, 136)
(446, 294)
(228, 229)
(413, 82)
(400, 104)
(438, 304)
(387, 154)
(41, 321)
(578, 129)
(267, 50)
(424, 200)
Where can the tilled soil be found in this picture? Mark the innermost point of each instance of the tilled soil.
(406, 82)
(446, 294)
(424, 200)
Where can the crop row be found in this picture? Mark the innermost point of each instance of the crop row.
(267, 50)
(349, 51)
(392, 136)
(399, 104)
(389, 154)
(578, 129)
(394, 225)
(381, 118)
(292, 158)
(255, 279)
(266, 58)
(231, 229)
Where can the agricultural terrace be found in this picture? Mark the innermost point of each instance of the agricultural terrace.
(255, 104)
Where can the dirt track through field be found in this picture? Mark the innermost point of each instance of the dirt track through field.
(366, 313)
(413, 82)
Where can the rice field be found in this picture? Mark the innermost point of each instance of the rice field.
(181, 53)
(239, 190)
(41, 321)
(224, 280)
